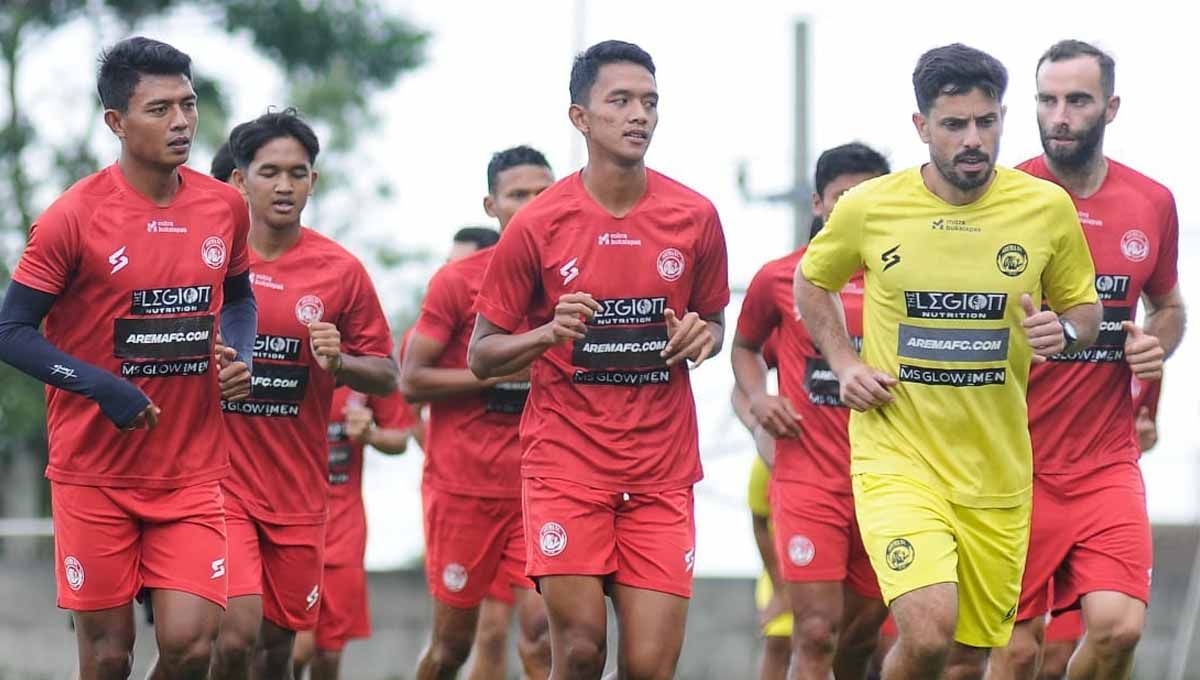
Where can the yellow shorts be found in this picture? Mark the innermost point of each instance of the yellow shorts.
(916, 538)
(780, 626)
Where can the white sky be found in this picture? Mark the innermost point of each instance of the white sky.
(496, 76)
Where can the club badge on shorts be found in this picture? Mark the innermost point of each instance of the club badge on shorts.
(552, 539)
(74, 572)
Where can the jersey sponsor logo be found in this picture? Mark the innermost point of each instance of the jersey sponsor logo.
(164, 369)
(953, 344)
(165, 227)
(1110, 343)
(654, 376)
(173, 300)
(218, 568)
(1112, 286)
(801, 550)
(276, 347)
(670, 264)
(1012, 259)
(309, 309)
(73, 571)
(569, 271)
(616, 238)
(265, 281)
(212, 251)
(189, 336)
(820, 383)
(278, 382)
(1089, 221)
(118, 260)
(890, 258)
(621, 347)
(65, 372)
(340, 456)
(928, 304)
(310, 600)
(552, 539)
(454, 577)
(508, 398)
(1135, 245)
(951, 377)
(900, 554)
(944, 224)
(629, 311)
(265, 409)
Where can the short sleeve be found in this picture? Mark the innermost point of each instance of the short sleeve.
(756, 497)
(835, 254)
(239, 260)
(1165, 276)
(391, 411)
(512, 277)
(52, 252)
(759, 315)
(363, 326)
(1070, 277)
(710, 288)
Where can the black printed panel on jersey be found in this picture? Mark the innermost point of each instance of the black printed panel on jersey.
(820, 383)
(173, 300)
(621, 347)
(278, 382)
(1110, 343)
(276, 347)
(162, 338)
(340, 456)
(508, 398)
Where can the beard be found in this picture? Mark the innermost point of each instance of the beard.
(965, 181)
(1087, 142)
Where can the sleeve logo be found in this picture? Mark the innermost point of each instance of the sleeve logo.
(212, 251)
(309, 309)
(1012, 259)
(670, 264)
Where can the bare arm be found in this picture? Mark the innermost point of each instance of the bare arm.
(775, 413)
(389, 440)
(369, 375)
(421, 380)
(1166, 319)
(495, 352)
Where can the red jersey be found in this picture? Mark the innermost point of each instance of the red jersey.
(1080, 413)
(346, 532)
(277, 436)
(606, 411)
(139, 289)
(1145, 394)
(770, 348)
(473, 446)
(821, 455)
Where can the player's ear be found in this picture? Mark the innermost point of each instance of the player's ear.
(578, 117)
(817, 203)
(312, 185)
(115, 122)
(489, 206)
(1110, 109)
(239, 180)
(921, 123)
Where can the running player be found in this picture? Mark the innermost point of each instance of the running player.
(356, 420)
(828, 575)
(955, 251)
(1090, 539)
(320, 324)
(148, 252)
(471, 485)
(621, 275)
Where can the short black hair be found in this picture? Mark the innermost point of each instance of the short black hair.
(848, 159)
(511, 158)
(123, 65)
(957, 69)
(246, 139)
(1069, 49)
(222, 163)
(482, 237)
(587, 65)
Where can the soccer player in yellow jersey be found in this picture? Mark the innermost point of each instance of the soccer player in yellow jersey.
(955, 253)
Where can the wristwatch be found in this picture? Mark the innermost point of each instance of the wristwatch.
(1069, 334)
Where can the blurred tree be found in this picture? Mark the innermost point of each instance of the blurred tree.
(334, 56)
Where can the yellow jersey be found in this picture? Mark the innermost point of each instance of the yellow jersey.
(943, 316)
(756, 496)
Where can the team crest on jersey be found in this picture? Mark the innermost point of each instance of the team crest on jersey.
(212, 251)
(309, 309)
(1012, 259)
(74, 572)
(900, 554)
(552, 539)
(670, 264)
(454, 577)
(801, 550)
(1135, 245)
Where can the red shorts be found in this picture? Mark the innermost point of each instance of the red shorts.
(344, 615)
(281, 562)
(470, 544)
(109, 543)
(817, 539)
(640, 540)
(1087, 539)
(1066, 627)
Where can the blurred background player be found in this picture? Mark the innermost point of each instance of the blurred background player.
(471, 483)
(1090, 541)
(356, 421)
(138, 506)
(941, 493)
(832, 592)
(621, 274)
(320, 324)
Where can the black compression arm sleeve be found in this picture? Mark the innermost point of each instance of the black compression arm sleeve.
(239, 317)
(24, 347)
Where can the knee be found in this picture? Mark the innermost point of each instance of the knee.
(234, 644)
(112, 662)
(929, 646)
(534, 641)
(1023, 648)
(490, 641)
(816, 635)
(1119, 637)
(583, 654)
(450, 651)
(186, 657)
